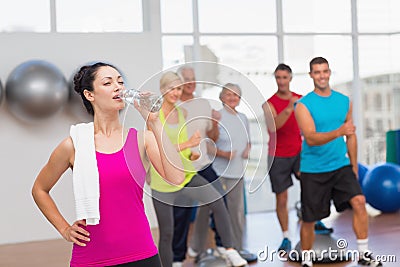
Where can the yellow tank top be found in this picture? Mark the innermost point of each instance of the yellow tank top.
(177, 134)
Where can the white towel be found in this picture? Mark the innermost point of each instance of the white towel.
(85, 174)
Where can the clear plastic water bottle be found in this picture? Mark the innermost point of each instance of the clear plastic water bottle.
(148, 100)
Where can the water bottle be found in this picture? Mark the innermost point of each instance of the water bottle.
(148, 100)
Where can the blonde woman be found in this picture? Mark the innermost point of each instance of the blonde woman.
(194, 187)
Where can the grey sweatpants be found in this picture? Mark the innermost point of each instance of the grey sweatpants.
(198, 189)
(235, 204)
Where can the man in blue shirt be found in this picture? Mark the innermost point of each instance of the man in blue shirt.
(328, 162)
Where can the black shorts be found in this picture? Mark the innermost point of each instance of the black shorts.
(152, 261)
(318, 189)
(281, 170)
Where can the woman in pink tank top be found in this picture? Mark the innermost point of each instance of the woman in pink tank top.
(122, 236)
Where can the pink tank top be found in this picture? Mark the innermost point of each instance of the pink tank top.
(123, 234)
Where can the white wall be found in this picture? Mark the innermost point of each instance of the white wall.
(24, 148)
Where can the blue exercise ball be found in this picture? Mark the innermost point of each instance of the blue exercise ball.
(362, 171)
(36, 89)
(381, 187)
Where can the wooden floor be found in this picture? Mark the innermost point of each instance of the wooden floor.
(262, 232)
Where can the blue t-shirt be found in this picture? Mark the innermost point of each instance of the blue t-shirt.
(328, 113)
